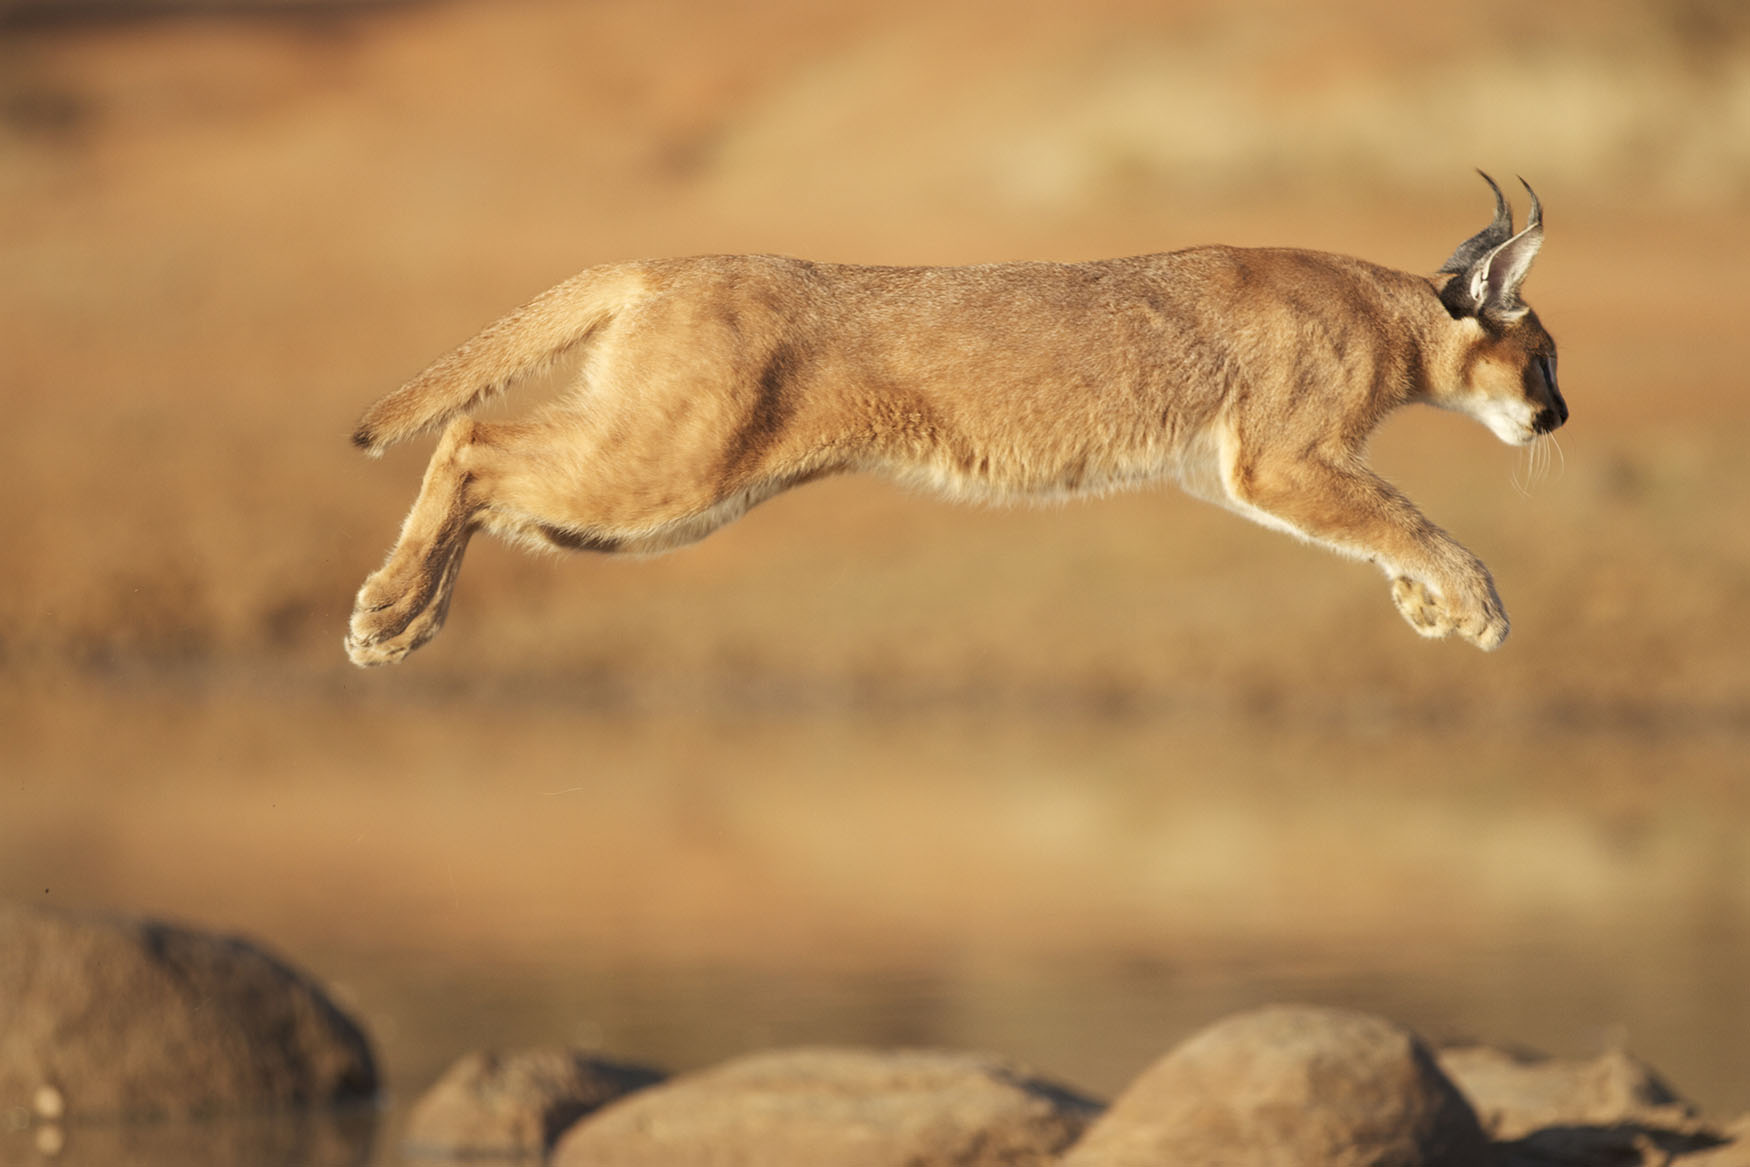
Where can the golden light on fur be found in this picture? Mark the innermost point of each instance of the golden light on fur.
(1250, 377)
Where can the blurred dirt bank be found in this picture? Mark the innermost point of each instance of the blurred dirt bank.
(1121, 751)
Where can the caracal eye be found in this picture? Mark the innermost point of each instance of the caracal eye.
(1547, 366)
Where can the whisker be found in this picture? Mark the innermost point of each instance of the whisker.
(1541, 457)
(1523, 470)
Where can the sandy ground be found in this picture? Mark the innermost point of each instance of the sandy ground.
(863, 732)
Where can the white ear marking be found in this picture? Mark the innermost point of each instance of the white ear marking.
(1479, 280)
(1496, 279)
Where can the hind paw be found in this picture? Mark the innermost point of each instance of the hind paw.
(386, 625)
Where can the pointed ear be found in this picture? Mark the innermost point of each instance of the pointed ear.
(1496, 233)
(1493, 282)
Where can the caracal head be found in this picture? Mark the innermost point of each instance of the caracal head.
(1500, 366)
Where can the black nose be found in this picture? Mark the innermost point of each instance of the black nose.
(1561, 407)
(1548, 419)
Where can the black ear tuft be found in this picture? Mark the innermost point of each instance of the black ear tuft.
(1499, 230)
(1488, 268)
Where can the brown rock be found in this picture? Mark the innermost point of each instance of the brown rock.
(1620, 1145)
(515, 1104)
(1290, 1086)
(843, 1107)
(1517, 1093)
(1732, 1150)
(1612, 1109)
(110, 1018)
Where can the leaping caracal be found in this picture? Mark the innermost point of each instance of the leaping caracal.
(1251, 377)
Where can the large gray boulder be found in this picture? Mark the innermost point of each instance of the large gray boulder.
(844, 1107)
(1290, 1086)
(125, 1018)
(510, 1105)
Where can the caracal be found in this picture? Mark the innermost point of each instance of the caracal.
(1250, 377)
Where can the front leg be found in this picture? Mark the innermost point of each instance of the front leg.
(1438, 586)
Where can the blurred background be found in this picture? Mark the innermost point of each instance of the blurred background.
(1063, 783)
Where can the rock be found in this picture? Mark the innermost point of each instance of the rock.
(1290, 1085)
(515, 1104)
(1612, 1109)
(844, 1107)
(1517, 1093)
(119, 1018)
(1733, 1149)
(1618, 1145)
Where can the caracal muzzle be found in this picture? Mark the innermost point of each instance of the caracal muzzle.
(1249, 377)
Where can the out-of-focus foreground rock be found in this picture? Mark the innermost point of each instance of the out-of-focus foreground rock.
(515, 1104)
(1290, 1084)
(126, 1018)
(846, 1107)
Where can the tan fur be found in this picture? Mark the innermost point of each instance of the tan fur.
(1250, 377)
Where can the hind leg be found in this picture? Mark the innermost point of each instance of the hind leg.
(403, 603)
(548, 485)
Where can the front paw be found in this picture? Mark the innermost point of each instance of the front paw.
(1472, 610)
(1420, 606)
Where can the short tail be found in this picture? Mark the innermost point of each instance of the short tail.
(519, 345)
